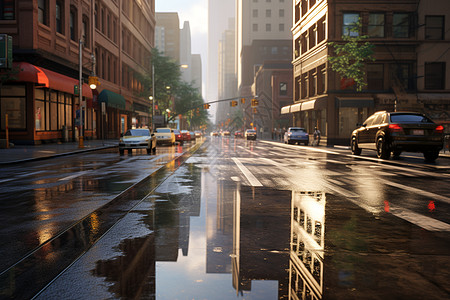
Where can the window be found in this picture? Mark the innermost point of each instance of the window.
(434, 27)
(73, 23)
(255, 27)
(375, 27)
(281, 13)
(96, 16)
(7, 10)
(283, 88)
(42, 12)
(13, 103)
(375, 78)
(59, 16)
(403, 72)
(255, 13)
(85, 31)
(268, 27)
(400, 25)
(349, 25)
(281, 27)
(435, 76)
(268, 13)
(312, 36)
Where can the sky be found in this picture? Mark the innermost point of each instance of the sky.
(196, 12)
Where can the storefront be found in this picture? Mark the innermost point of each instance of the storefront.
(41, 106)
(114, 118)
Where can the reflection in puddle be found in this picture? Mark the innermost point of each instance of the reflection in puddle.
(307, 245)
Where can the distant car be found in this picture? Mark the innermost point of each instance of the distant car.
(178, 136)
(238, 134)
(214, 133)
(186, 135)
(192, 135)
(296, 135)
(165, 136)
(198, 134)
(250, 134)
(137, 139)
(395, 132)
(225, 133)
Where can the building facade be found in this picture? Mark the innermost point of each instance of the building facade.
(403, 33)
(38, 93)
(168, 28)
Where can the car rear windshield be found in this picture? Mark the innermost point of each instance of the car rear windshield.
(410, 118)
(297, 130)
(251, 131)
(138, 132)
(163, 130)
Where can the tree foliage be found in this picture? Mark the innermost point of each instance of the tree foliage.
(351, 56)
(171, 92)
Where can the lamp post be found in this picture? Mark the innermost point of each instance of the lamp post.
(153, 96)
(80, 95)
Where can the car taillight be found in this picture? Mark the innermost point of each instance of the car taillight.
(439, 129)
(395, 127)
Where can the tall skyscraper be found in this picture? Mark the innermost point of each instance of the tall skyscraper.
(170, 34)
(219, 12)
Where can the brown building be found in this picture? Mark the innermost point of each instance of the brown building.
(409, 71)
(38, 93)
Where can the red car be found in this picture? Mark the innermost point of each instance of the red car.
(238, 134)
(186, 135)
(178, 136)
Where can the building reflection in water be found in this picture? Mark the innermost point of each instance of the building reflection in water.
(307, 245)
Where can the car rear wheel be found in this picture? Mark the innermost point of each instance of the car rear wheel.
(382, 151)
(431, 155)
(355, 149)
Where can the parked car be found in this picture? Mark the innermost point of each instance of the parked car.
(178, 136)
(186, 135)
(165, 135)
(137, 139)
(250, 134)
(238, 134)
(396, 132)
(296, 135)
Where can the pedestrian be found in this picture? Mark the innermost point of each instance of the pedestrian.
(316, 136)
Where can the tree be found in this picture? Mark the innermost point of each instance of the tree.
(351, 56)
(171, 92)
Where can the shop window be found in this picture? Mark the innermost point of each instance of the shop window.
(59, 17)
(349, 24)
(434, 27)
(435, 76)
(13, 103)
(375, 27)
(43, 12)
(375, 76)
(7, 10)
(400, 25)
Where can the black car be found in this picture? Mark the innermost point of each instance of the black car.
(395, 132)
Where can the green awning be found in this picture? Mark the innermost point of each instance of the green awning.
(112, 99)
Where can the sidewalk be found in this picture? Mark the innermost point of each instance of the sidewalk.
(24, 153)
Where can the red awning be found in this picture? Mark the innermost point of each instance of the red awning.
(49, 79)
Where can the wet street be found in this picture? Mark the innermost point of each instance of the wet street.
(226, 218)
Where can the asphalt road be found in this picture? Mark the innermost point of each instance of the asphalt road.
(229, 218)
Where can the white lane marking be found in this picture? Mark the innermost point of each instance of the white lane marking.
(425, 222)
(250, 177)
(73, 176)
(418, 191)
(6, 180)
(301, 147)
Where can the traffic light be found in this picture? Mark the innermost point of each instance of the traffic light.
(206, 106)
(242, 100)
(255, 102)
(233, 103)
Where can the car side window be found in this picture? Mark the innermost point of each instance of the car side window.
(369, 121)
(128, 133)
(378, 119)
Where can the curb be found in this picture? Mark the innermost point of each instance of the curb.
(56, 155)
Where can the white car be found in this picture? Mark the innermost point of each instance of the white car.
(137, 139)
(165, 136)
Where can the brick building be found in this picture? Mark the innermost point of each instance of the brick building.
(39, 98)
